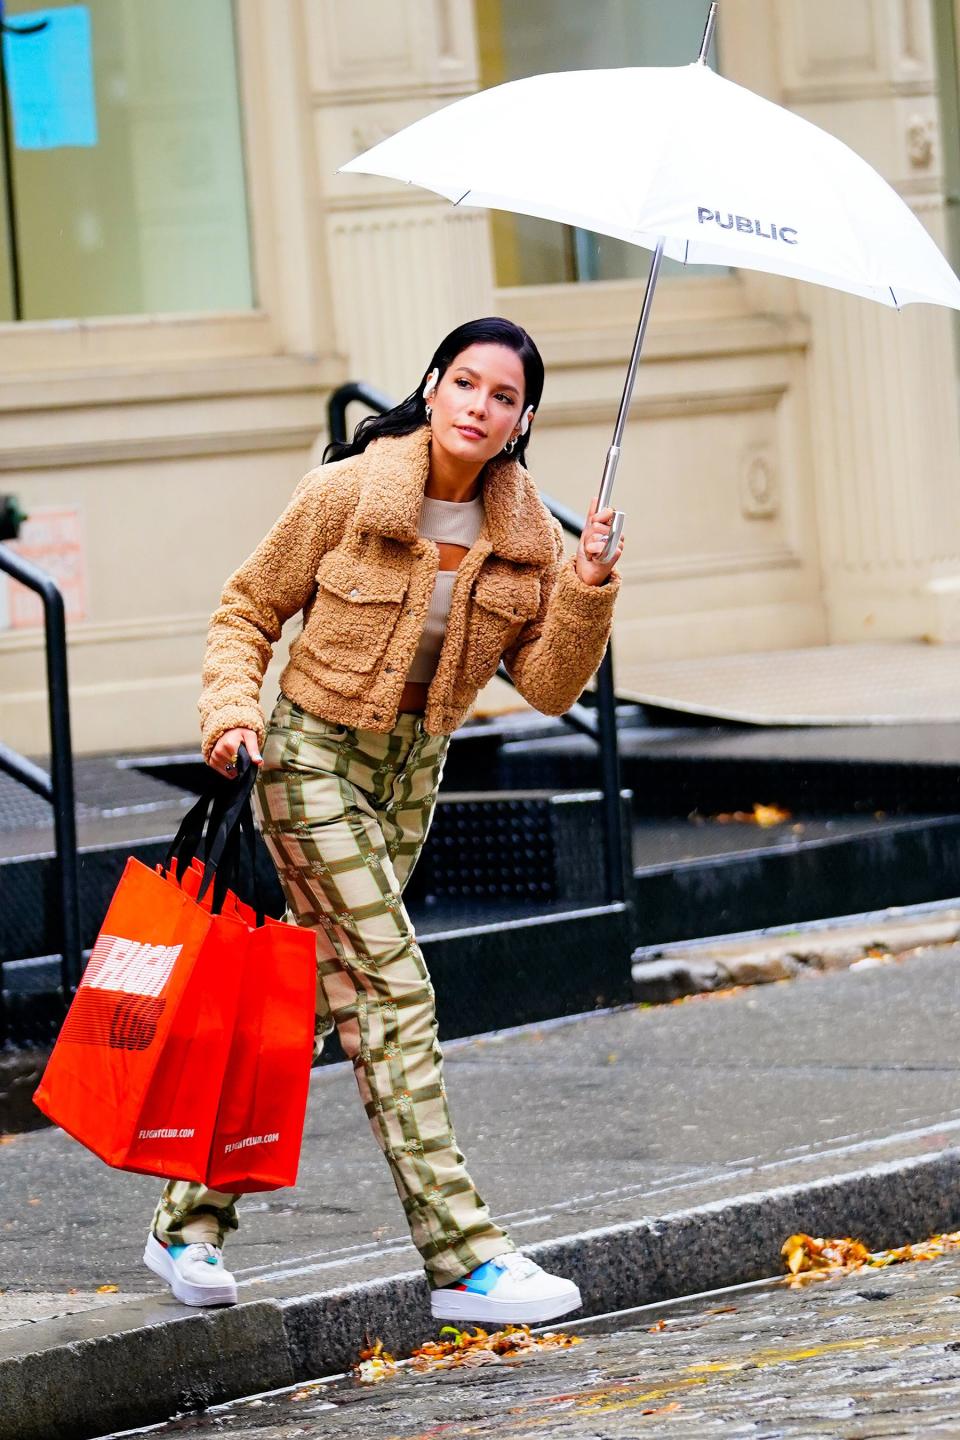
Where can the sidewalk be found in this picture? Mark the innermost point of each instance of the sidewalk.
(647, 1152)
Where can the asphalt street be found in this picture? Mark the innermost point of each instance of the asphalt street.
(872, 1354)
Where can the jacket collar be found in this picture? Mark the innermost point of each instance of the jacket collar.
(393, 476)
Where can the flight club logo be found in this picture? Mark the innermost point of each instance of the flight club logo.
(249, 1140)
(130, 965)
(120, 999)
(746, 226)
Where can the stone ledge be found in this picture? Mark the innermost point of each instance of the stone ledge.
(660, 975)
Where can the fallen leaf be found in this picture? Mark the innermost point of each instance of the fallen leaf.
(660, 1325)
(767, 815)
(463, 1348)
(807, 1258)
(34, 1200)
(8, 1139)
(763, 815)
(107, 1289)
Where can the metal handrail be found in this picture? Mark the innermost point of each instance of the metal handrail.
(602, 729)
(57, 787)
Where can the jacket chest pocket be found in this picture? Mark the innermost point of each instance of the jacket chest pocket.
(508, 598)
(356, 609)
(504, 601)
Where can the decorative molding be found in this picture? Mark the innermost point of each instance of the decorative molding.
(921, 141)
(442, 91)
(444, 30)
(116, 388)
(158, 627)
(158, 447)
(825, 39)
(759, 488)
(398, 197)
(688, 567)
(916, 34)
(350, 39)
(799, 97)
(678, 405)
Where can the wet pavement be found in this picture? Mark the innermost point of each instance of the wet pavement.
(599, 1120)
(872, 1354)
(654, 1151)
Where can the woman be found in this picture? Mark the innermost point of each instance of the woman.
(420, 555)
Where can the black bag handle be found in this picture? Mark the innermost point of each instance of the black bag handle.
(227, 874)
(208, 827)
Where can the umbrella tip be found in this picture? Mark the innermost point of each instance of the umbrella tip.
(708, 34)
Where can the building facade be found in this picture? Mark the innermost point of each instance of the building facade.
(187, 278)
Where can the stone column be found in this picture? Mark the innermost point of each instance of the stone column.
(883, 385)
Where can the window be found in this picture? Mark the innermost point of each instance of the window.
(530, 37)
(124, 191)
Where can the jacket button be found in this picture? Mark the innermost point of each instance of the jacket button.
(388, 670)
(354, 594)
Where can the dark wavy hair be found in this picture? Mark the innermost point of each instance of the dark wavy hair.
(411, 413)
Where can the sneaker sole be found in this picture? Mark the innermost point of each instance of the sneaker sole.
(155, 1258)
(483, 1309)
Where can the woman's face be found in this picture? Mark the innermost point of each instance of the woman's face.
(478, 403)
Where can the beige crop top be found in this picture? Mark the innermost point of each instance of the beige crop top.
(454, 522)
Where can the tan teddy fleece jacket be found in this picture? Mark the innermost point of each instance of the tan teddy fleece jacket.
(346, 551)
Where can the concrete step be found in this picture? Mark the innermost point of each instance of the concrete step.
(756, 878)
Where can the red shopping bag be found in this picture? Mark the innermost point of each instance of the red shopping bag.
(259, 1125)
(138, 1071)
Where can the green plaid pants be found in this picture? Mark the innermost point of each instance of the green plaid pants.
(344, 814)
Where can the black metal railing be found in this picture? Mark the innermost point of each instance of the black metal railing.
(56, 787)
(601, 727)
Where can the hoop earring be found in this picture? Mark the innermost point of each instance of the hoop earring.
(429, 412)
(510, 446)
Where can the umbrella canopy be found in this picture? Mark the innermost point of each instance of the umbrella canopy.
(721, 175)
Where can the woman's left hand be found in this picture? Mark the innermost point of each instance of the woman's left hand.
(596, 532)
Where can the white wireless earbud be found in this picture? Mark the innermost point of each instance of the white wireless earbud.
(527, 417)
(431, 384)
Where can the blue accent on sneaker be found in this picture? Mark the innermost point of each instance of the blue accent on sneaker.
(175, 1251)
(482, 1280)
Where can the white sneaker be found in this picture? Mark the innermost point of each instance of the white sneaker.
(509, 1290)
(195, 1273)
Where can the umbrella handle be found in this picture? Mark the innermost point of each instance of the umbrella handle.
(616, 530)
(603, 502)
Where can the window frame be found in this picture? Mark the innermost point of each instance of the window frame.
(272, 149)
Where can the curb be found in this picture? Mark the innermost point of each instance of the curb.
(661, 973)
(145, 1374)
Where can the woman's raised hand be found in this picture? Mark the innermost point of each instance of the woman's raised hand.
(223, 756)
(595, 535)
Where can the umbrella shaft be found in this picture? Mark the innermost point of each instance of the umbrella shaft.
(613, 454)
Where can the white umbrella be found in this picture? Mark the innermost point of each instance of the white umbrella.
(685, 163)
